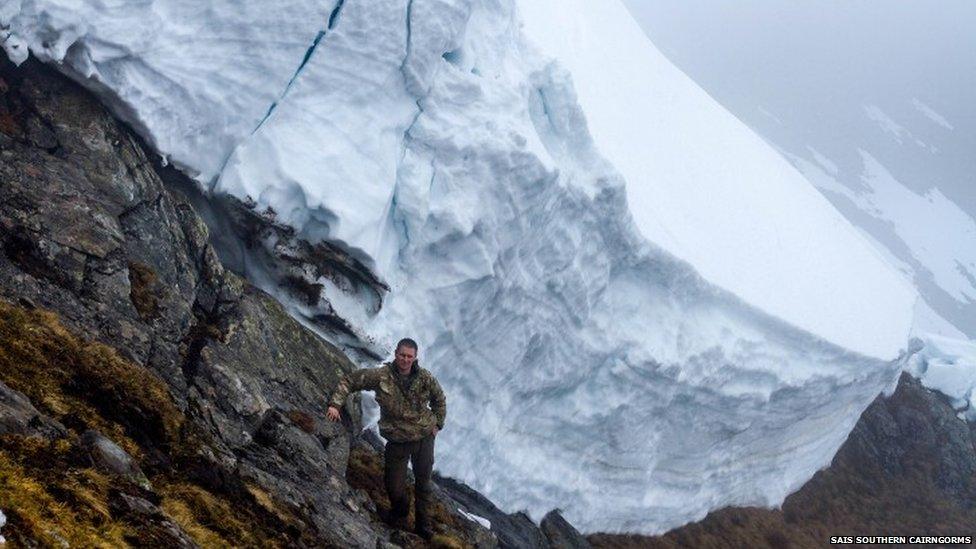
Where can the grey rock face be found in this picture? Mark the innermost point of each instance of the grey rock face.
(19, 417)
(561, 534)
(109, 457)
(73, 223)
(512, 530)
(89, 231)
(254, 245)
(916, 431)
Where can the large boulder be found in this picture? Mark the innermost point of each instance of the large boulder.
(514, 530)
(110, 457)
(561, 533)
(19, 417)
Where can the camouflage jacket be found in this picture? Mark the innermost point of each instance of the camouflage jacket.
(404, 415)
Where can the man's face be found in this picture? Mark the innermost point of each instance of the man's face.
(405, 357)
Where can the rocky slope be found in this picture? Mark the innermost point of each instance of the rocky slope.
(908, 468)
(149, 395)
(90, 234)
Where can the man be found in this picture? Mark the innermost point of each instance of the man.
(412, 412)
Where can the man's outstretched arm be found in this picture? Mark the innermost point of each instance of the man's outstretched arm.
(360, 380)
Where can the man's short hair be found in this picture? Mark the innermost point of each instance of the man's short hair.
(407, 342)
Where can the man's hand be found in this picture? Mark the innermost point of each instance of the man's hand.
(435, 431)
(333, 413)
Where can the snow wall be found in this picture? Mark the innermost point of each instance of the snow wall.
(710, 344)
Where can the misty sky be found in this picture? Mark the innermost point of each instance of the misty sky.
(854, 85)
(814, 65)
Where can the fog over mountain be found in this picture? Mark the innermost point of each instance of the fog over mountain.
(871, 100)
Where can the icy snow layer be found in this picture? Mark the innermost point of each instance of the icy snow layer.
(706, 188)
(588, 364)
(948, 365)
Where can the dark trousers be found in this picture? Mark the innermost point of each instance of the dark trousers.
(421, 455)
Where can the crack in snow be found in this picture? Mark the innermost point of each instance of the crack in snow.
(406, 55)
(334, 16)
(298, 71)
(330, 25)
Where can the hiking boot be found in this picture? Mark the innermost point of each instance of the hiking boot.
(397, 522)
(424, 531)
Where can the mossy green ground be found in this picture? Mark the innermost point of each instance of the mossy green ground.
(51, 494)
(49, 491)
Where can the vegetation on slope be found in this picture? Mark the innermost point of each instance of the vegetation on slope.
(52, 492)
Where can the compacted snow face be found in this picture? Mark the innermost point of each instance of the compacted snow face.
(948, 365)
(587, 363)
(706, 188)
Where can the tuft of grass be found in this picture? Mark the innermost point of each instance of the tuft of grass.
(443, 541)
(365, 472)
(302, 420)
(84, 385)
(181, 513)
(142, 281)
(262, 498)
(49, 501)
(214, 521)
